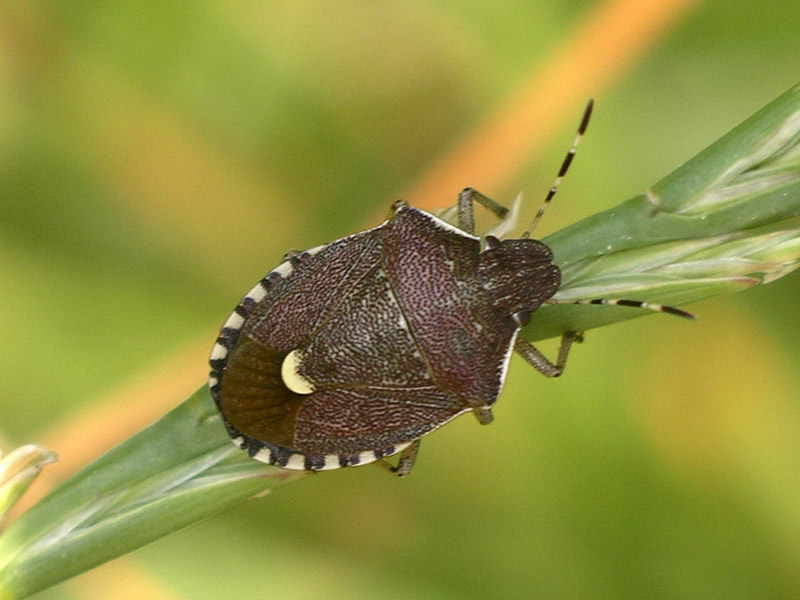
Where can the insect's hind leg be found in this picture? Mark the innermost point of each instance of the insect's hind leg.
(540, 362)
(404, 463)
(466, 214)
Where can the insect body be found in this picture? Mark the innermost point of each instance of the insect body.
(352, 351)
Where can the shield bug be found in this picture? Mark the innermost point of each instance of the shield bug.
(352, 351)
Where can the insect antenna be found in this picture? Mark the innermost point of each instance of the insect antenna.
(587, 112)
(632, 303)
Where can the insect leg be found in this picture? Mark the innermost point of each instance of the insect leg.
(466, 198)
(540, 362)
(404, 463)
(483, 414)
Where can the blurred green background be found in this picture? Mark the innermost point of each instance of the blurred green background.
(157, 158)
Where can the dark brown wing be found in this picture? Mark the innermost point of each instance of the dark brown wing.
(296, 305)
(297, 296)
(372, 387)
(352, 420)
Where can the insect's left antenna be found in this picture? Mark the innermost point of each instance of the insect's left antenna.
(587, 112)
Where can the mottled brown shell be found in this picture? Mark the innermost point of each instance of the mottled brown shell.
(396, 330)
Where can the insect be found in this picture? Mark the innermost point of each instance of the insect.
(352, 351)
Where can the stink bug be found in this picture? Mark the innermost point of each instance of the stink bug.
(352, 351)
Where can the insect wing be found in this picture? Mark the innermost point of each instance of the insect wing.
(295, 299)
(298, 302)
(355, 419)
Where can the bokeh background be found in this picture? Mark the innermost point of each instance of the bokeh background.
(157, 158)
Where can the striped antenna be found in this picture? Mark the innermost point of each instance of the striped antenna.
(632, 303)
(564, 166)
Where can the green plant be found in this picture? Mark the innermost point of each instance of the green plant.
(724, 221)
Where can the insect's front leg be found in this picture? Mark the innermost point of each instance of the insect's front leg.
(404, 463)
(483, 414)
(466, 214)
(540, 362)
(290, 255)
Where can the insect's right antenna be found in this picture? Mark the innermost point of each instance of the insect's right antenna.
(564, 166)
(671, 310)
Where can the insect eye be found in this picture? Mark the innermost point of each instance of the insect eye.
(397, 205)
(490, 242)
(522, 318)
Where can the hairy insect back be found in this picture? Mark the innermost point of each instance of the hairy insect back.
(431, 266)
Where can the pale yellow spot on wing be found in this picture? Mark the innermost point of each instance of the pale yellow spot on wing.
(291, 378)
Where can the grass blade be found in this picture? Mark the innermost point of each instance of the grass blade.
(726, 220)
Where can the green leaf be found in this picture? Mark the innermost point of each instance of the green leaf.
(724, 221)
(18, 469)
